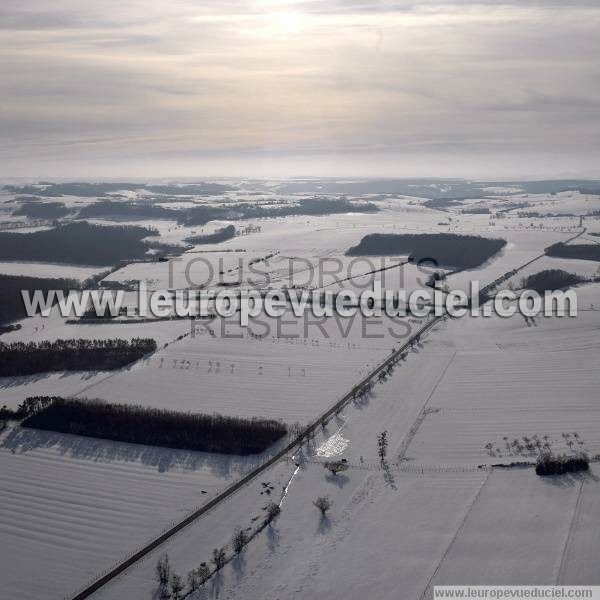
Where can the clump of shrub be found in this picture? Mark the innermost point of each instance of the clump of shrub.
(435, 277)
(550, 464)
(335, 466)
(239, 540)
(272, 511)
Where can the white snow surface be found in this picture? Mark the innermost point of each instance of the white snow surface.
(441, 512)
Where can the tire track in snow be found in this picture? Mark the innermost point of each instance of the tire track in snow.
(569, 538)
(422, 414)
(455, 536)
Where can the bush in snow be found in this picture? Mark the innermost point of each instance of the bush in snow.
(335, 466)
(323, 503)
(239, 540)
(219, 558)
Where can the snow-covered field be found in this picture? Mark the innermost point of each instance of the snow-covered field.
(290, 369)
(441, 515)
(509, 379)
(72, 506)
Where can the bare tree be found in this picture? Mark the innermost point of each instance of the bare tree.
(176, 586)
(382, 444)
(219, 558)
(163, 570)
(323, 503)
(239, 540)
(193, 580)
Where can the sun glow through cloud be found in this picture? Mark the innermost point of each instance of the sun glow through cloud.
(458, 88)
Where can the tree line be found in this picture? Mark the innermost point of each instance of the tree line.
(221, 235)
(154, 426)
(27, 358)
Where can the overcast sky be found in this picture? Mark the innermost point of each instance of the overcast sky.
(315, 87)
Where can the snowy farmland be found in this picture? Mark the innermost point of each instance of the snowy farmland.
(289, 369)
(509, 379)
(470, 395)
(441, 513)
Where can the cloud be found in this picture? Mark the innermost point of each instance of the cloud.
(182, 85)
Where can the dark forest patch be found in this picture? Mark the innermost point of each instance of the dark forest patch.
(200, 215)
(156, 427)
(579, 251)
(41, 210)
(442, 249)
(128, 210)
(12, 307)
(28, 358)
(78, 243)
(551, 280)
